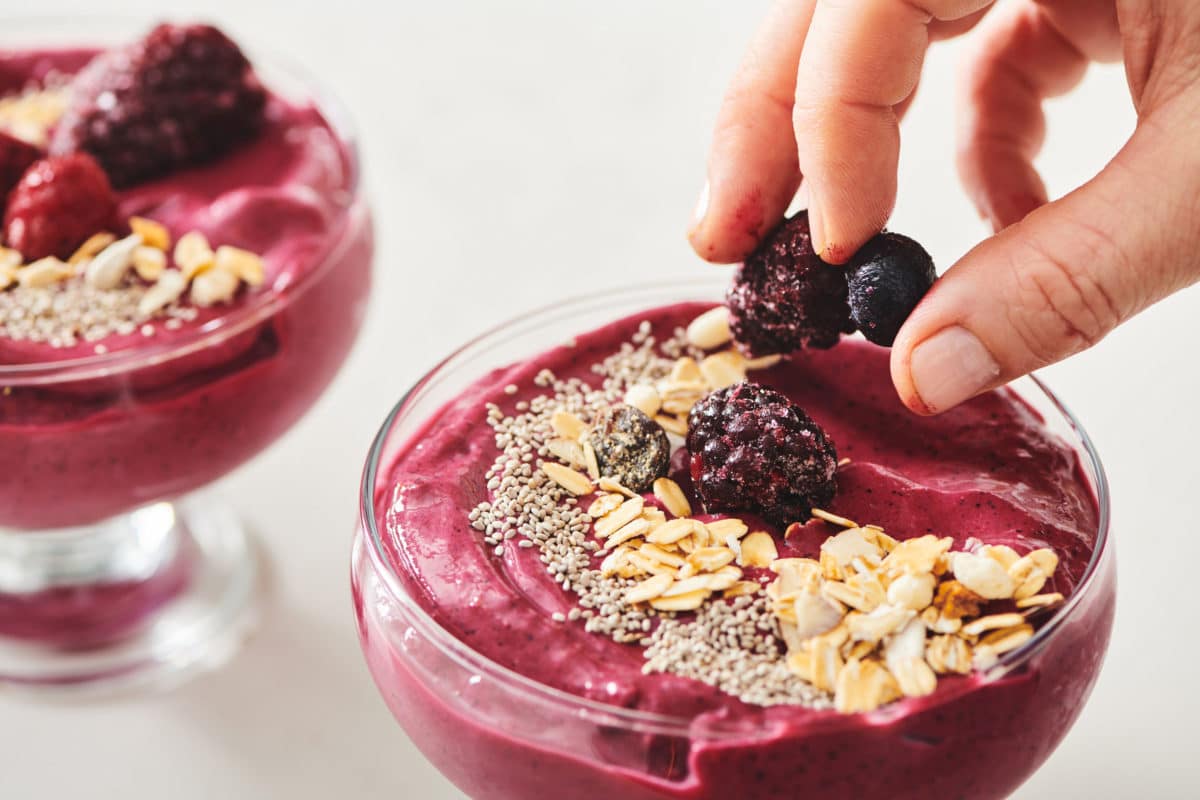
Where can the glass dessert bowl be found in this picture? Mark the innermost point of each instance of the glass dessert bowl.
(112, 572)
(487, 666)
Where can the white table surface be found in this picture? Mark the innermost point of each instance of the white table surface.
(517, 152)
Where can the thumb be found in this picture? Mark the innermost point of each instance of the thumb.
(1058, 281)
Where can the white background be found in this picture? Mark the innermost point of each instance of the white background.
(520, 152)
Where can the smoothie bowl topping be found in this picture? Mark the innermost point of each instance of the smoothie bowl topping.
(628, 493)
(75, 263)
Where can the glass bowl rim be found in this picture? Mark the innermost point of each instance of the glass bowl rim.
(277, 70)
(666, 724)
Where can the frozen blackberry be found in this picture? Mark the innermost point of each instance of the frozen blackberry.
(785, 297)
(887, 277)
(753, 449)
(183, 95)
(630, 447)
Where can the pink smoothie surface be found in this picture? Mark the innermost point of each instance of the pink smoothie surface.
(988, 470)
(78, 449)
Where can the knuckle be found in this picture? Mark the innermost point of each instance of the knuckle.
(1063, 305)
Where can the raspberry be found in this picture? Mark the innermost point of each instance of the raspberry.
(630, 447)
(183, 95)
(752, 449)
(785, 297)
(887, 277)
(15, 157)
(58, 203)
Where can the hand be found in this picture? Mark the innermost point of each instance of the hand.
(821, 93)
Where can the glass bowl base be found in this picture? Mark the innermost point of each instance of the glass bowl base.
(138, 602)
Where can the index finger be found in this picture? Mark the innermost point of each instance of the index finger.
(862, 59)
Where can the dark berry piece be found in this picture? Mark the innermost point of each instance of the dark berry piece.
(785, 297)
(753, 449)
(630, 447)
(887, 277)
(183, 95)
(16, 156)
(57, 204)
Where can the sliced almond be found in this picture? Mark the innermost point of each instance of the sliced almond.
(710, 559)
(856, 597)
(625, 513)
(813, 614)
(568, 451)
(166, 290)
(213, 286)
(246, 265)
(613, 561)
(1001, 553)
(723, 369)
(864, 686)
(880, 623)
(614, 485)
(10, 259)
(833, 519)
(567, 425)
(648, 589)
(604, 504)
(108, 268)
(154, 234)
(990, 623)
(949, 654)
(912, 591)
(688, 585)
(574, 482)
(193, 254)
(1006, 639)
(983, 576)
(673, 531)
(657, 553)
(686, 370)
(94, 244)
(644, 398)
(1040, 600)
(916, 555)
(914, 677)
(43, 273)
(672, 497)
(758, 550)
(723, 528)
(742, 589)
(149, 263)
(628, 531)
(849, 545)
(590, 460)
(683, 602)
(8, 276)
(710, 330)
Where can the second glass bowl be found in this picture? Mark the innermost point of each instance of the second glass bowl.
(497, 734)
(111, 573)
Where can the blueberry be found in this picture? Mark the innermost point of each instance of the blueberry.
(887, 277)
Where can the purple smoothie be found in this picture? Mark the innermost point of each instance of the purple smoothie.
(987, 470)
(86, 436)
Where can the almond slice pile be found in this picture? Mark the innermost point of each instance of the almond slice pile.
(875, 619)
(104, 262)
(669, 400)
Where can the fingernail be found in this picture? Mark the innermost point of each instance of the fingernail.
(816, 229)
(701, 209)
(951, 366)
